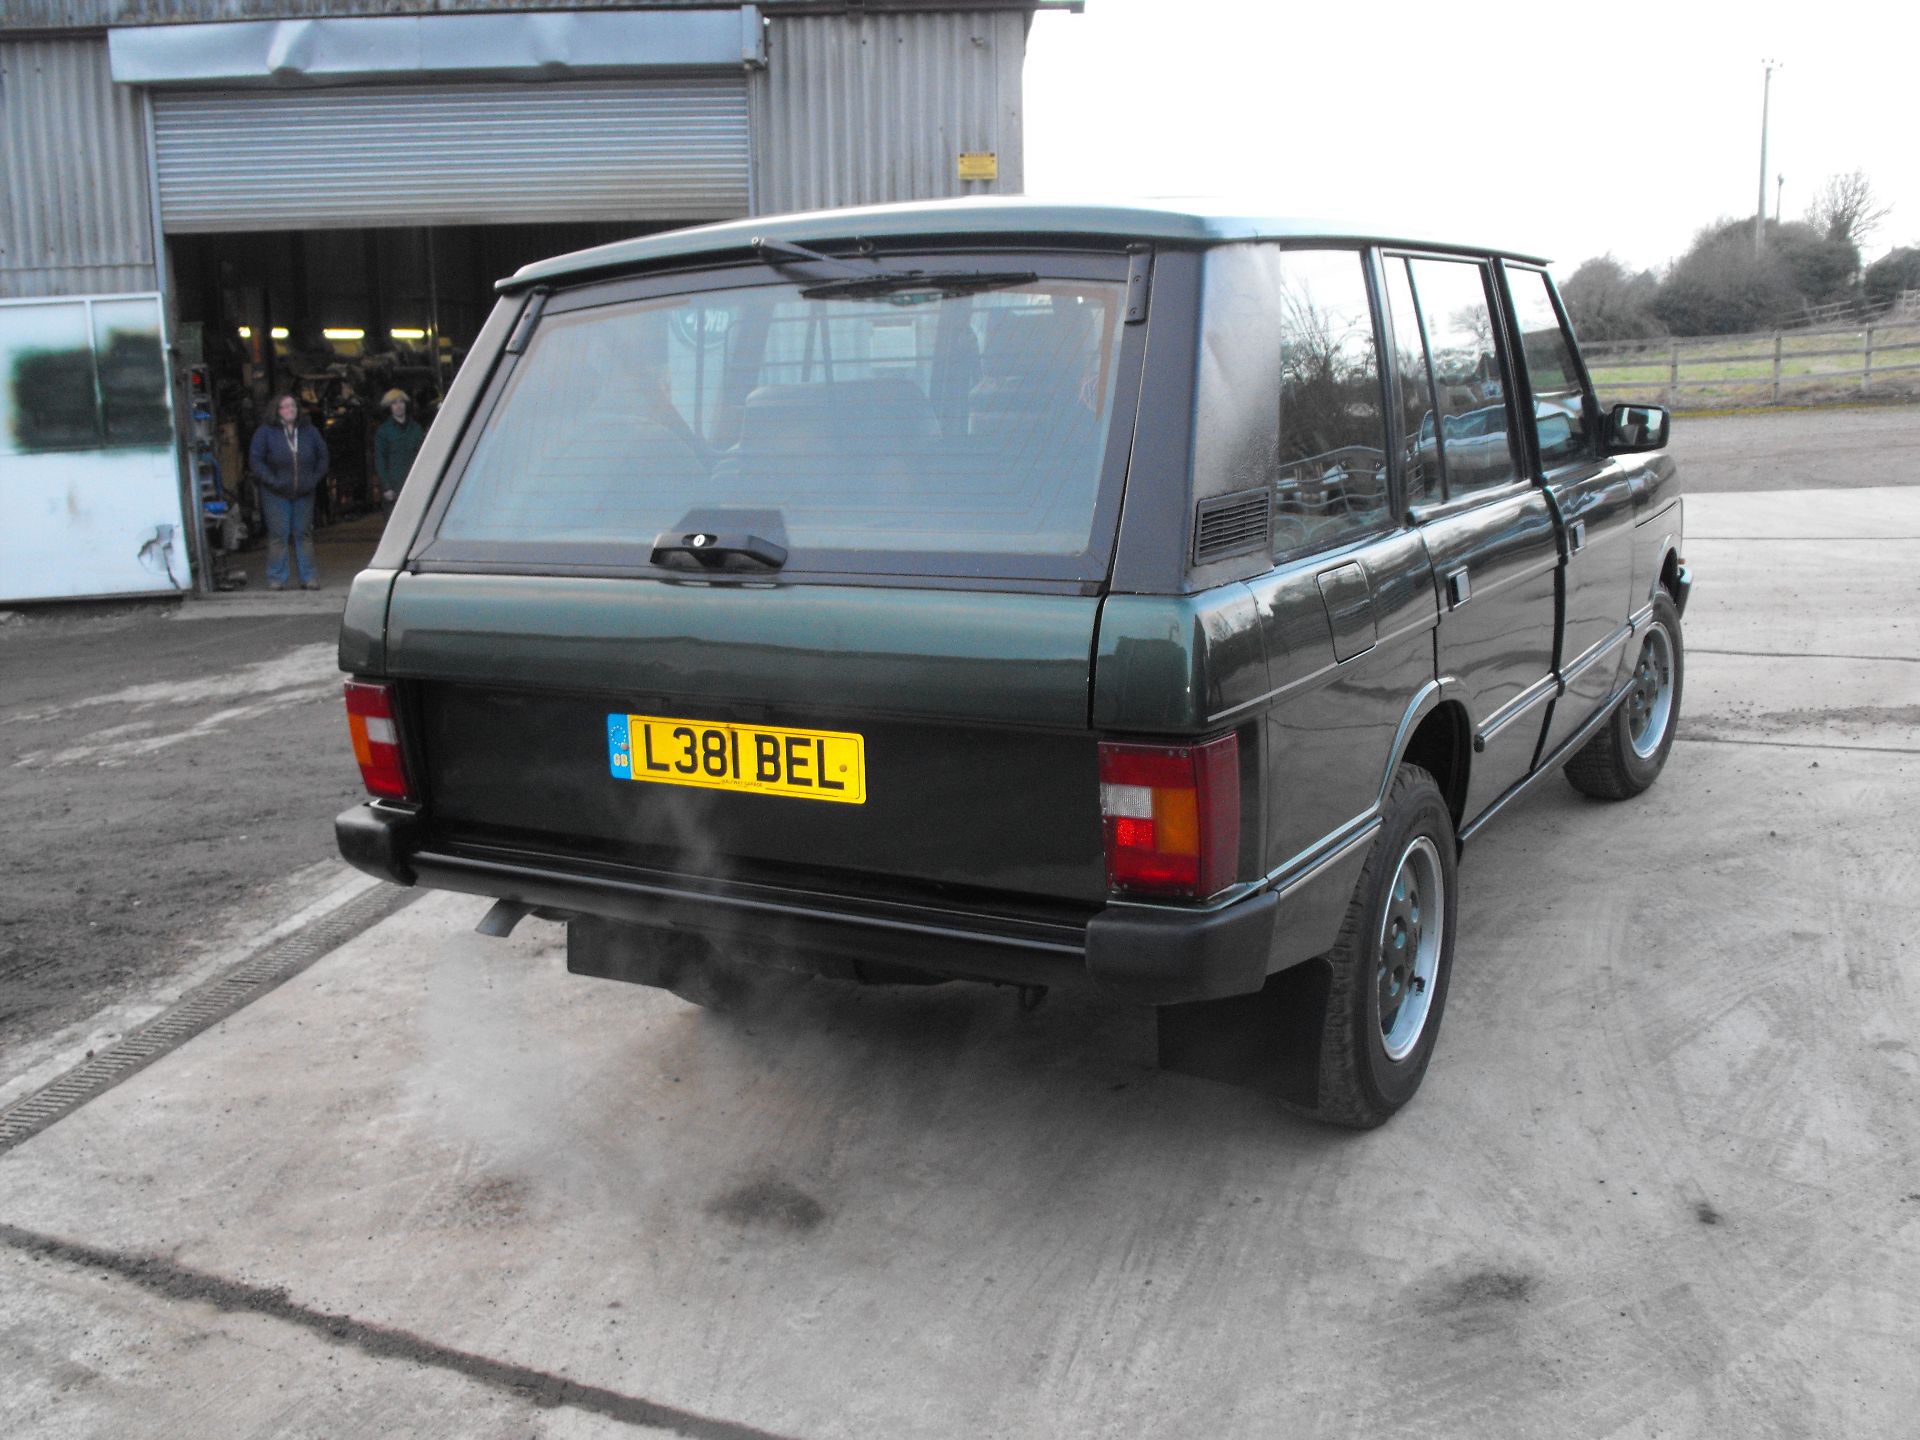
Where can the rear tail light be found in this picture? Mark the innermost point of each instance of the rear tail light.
(376, 739)
(1172, 816)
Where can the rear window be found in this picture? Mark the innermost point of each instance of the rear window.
(905, 430)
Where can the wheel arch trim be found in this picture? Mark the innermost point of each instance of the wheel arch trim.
(1444, 691)
(1426, 701)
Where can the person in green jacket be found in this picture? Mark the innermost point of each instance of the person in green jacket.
(395, 444)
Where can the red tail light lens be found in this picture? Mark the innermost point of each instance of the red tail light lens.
(1172, 816)
(376, 739)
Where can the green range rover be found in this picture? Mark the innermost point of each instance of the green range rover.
(1150, 599)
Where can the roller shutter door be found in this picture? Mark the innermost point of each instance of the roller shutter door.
(452, 154)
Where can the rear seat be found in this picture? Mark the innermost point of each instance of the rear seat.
(792, 434)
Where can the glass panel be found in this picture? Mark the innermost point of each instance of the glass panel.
(1559, 401)
(133, 372)
(47, 398)
(1421, 458)
(1333, 455)
(1466, 375)
(905, 422)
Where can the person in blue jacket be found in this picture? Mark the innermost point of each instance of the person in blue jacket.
(289, 460)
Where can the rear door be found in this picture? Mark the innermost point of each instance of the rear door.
(737, 581)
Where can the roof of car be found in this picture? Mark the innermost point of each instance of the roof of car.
(1178, 222)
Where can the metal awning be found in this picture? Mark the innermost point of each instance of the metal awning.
(413, 48)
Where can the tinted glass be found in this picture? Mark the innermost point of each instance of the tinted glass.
(1472, 408)
(906, 422)
(1420, 451)
(1559, 400)
(1333, 455)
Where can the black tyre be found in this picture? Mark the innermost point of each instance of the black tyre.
(1629, 751)
(1391, 964)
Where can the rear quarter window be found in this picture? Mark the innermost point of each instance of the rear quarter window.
(1333, 437)
(1290, 404)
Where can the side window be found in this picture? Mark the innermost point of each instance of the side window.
(1559, 400)
(1413, 386)
(1333, 456)
(1472, 404)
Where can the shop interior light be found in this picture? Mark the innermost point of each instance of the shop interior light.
(279, 332)
(246, 332)
(344, 334)
(400, 334)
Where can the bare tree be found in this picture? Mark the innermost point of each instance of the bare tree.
(1846, 208)
(1315, 340)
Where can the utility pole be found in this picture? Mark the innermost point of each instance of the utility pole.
(1760, 207)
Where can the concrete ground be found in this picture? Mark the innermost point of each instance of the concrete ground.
(1838, 447)
(1662, 1179)
(169, 773)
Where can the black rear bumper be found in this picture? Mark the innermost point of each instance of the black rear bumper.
(1156, 955)
(379, 839)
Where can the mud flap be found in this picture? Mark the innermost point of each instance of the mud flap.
(1268, 1041)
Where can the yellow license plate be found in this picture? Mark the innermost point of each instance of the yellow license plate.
(760, 759)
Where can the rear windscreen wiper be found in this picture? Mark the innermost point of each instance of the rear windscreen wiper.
(910, 287)
(866, 279)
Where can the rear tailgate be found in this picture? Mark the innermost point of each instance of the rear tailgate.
(971, 708)
(853, 514)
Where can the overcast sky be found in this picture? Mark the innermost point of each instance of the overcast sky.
(1568, 129)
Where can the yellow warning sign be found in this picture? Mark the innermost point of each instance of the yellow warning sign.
(979, 165)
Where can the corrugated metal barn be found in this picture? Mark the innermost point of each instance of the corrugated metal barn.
(206, 201)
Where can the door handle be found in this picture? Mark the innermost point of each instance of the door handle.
(1577, 536)
(1459, 588)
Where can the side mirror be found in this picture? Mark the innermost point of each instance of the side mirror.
(1634, 428)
